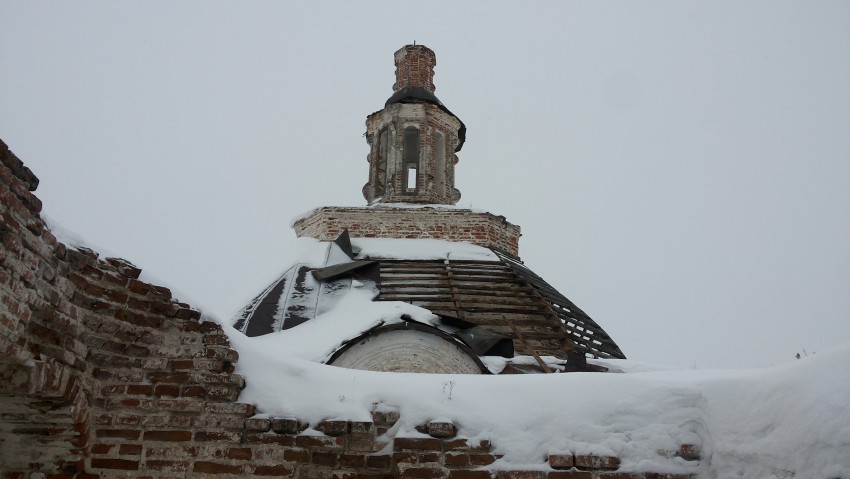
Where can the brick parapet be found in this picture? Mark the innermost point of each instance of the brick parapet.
(89, 350)
(450, 224)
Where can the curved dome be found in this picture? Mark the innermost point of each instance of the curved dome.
(410, 348)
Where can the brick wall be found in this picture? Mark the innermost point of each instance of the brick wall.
(105, 375)
(414, 67)
(484, 229)
(386, 176)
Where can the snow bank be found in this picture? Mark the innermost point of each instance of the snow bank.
(420, 249)
(354, 313)
(790, 420)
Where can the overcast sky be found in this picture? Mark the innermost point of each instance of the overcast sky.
(681, 170)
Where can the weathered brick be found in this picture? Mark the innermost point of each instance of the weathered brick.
(230, 408)
(154, 421)
(357, 427)
(185, 405)
(177, 377)
(215, 468)
(457, 459)
(187, 313)
(593, 461)
(464, 445)
(131, 434)
(352, 460)
(484, 229)
(689, 452)
(130, 449)
(285, 425)
(167, 465)
(227, 436)
(296, 455)
(139, 389)
(127, 420)
(265, 438)
(107, 463)
(441, 429)
(102, 448)
(423, 473)
(404, 458)
(179, 421)
(218, 422)
(170, 436)
(482, 459)
(180, 364)
(561, 461)
(225, 354)
(194, 392)
(243, 453)
(334, 427)
(258, 424)
(320, 442)
(379, 462)
(418, 444)
(279, 470)
(324, 458)
(222, 393)
(138, 287)
(166, 390)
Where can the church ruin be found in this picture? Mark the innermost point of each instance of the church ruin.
(105, 375)
(492, 305)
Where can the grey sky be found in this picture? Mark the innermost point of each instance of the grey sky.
(680, 169)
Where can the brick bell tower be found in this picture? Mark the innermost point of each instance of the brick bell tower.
(414, 138)
(410, 190)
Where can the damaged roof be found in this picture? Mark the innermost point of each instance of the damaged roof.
(479, 301)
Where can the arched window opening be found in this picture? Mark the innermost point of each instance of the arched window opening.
(410, 162)
(440, 145)
(381, 167)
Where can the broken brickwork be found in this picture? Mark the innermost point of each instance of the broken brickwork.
(414, 66)
(103, 375)
(450, 224)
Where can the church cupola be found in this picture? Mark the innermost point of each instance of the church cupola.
(414, 138)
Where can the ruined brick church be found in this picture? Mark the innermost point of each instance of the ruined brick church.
(490, 305)
(103, 375)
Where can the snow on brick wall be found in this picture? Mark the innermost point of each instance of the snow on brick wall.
(105, 375)
(480, 228)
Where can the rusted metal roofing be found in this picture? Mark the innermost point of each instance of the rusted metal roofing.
(502, 297)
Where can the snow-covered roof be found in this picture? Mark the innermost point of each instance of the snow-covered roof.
(465, 290)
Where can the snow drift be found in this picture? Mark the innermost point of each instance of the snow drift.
(787, 421)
